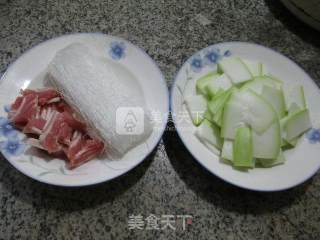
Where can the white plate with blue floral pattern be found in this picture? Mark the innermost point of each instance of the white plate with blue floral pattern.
(28, 71)
(302, 162)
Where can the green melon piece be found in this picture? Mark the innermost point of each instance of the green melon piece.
(246, 107)
(235, 69)
(254, 67)
(220, 83)
(267, 144)
(202, 82)
(208, 132)
(295, 99)
(258, 83)
(218, 102)
(276, 98)
(227, 150)
(196, 106)
(242, 148)
(296, 124)
(273, 162)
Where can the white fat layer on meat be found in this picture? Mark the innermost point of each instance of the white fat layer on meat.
(48, 126)
(53, 100)
(34, 142)
(18, 111)
(36, 130)
(96, 88)
(76, 137)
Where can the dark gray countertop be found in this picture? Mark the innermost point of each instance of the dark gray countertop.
(170, 181)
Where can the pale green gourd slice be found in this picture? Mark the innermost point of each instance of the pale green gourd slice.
(274, 79)
(276, 98)
(208, 132)
(218, 102)
(258, 83)
(296, 124)
(246, 107)
(289, 144)
(267, 144)
(235, 69)
(254, 67)
(242, 148)
(207, 115)
(217, 118)
(212, 148)
(196, 106)
(263, 69)
(227, 150)
(295, 97)
(222, 82)
(202, 82)
(273, 162)
(294, 107)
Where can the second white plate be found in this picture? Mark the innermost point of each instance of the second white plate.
(302, 161)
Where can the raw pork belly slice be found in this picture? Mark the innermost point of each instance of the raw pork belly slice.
(90, 85)
(45, 96)
(82, 148)
(23, 109)
(54, 126)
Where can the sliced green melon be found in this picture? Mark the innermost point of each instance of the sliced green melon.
(208, 132)
(222, 82)
(218, 102)
(272, 162)
(276, 98)
(296, 124)
(202, 82)
(235, 69)
(227, 150)
(189, 89)
(295, 97)
(289, 144)
(217, 118)
(275, 79)
(212, 148)
(207, 115)
(257, 84)
(263, 70)
(254, 67)
(218, 94)
(242, 148)
(196, 106)
(294, 107)
(284, 142)
(246, 107)
(267, 144)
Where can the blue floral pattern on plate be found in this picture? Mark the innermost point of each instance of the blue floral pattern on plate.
(196, 63)
(208, 56)
(212, 56)
(12, 147)
(6, 129)
(7, 108)
(313, 135)
(117, 50)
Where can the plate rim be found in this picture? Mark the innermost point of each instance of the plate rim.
(151, 148)
(172, 88)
